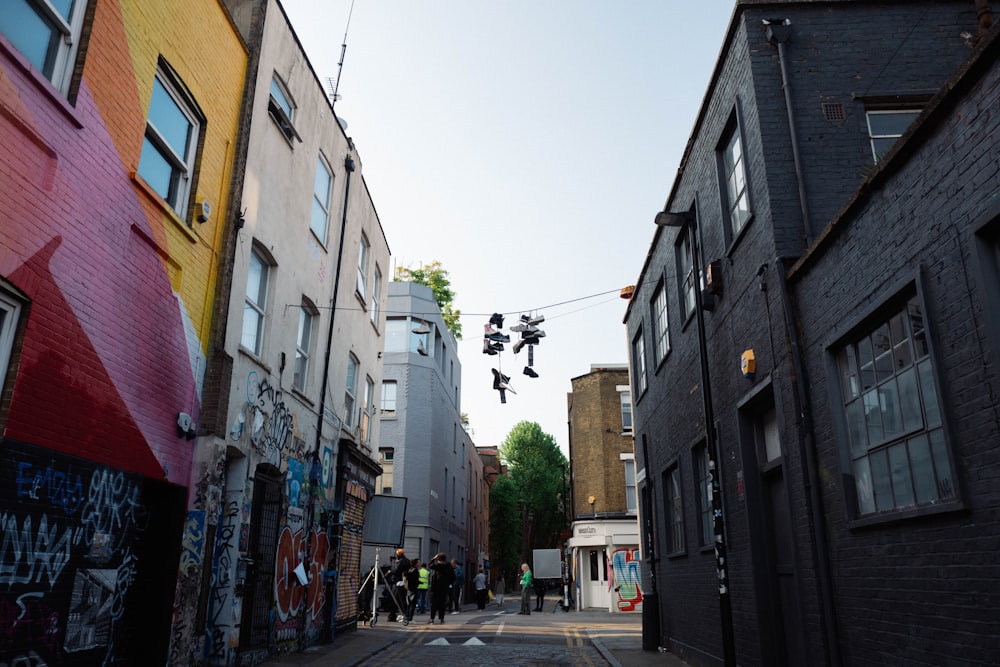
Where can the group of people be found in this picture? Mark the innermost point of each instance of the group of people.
(412, 581)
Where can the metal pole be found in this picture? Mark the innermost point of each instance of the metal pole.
(714, 465)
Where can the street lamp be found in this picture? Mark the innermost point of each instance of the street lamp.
(686, 220)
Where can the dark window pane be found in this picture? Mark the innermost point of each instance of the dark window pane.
(901, 356)
(923, 470)
(917, 333)
(929, 394)
(883, 353)
(880, 481)
(942, 465)
(856, 428)
(35, 37)
(894, 123)
(873, 416)
(909, 400)
(902, 484)
(863, 485)
(866, 363)
(892, 419)
(169, 121)
(156, 170)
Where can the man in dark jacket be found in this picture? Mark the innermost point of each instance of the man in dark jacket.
(442, 576)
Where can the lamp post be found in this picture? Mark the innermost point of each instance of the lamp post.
(687, 221)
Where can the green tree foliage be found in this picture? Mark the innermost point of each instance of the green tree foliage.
(537, 469)
(434, 276)
(505, 528)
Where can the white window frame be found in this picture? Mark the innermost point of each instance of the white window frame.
(59, 59)
(389, 394)
(351, 389)
(639, 363)
(303, 347)
(363, 249)
(661, 327)
(884, 139)
(625, 397)
(256, 303)
(367, 409)
(631, 485)
(178, 193)
(319, 219)
(376, 295)
(10, 315)
(735, 174)
(281, 108)
(685, 269)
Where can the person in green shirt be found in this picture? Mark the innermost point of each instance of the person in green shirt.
(525, 589)
(422, 586)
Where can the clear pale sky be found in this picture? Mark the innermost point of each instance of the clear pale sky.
(526, 145)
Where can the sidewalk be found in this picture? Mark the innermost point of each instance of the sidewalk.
(617, 637)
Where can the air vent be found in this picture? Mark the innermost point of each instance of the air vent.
(833, 111)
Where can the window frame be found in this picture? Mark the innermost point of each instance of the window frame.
(260, 309)
(673, 505)
(386, 400)
(283, 118)
(734, 178)
(361, 287)
(639, 380)
(631, 485)
(63, 49)
(183, 169)
(376, 295)
(684, 249)
(321, 232)
(625, 403)
(881, 138)
(12, 308)
(308, 315)
(661, 324)
(351, 389)
(909, 292)
(703, 493)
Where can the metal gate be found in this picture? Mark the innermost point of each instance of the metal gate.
(258, 598)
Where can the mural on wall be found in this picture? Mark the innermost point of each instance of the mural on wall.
(70, 557)
(267, 421)
(628, 582)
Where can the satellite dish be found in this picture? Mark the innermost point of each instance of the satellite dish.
(343, 123)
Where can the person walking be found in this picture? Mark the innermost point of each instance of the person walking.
(412, 583)
(422, 586)
(442, 577)
(479, 583)
(525, 589)
(456, 587)
(540, 594)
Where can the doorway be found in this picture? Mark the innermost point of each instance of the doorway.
(596, 593)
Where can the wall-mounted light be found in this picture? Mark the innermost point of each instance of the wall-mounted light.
(185, 426)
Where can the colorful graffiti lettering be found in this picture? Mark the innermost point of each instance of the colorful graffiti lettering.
(63, 490)
(192, 542)
(625, 563)
(287, 591)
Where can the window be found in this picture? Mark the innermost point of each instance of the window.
(885, 127)
(420, 339)
(625, 396)
(389, 398)
(350, 390)
(639, 364)
(685, 269)
(631, 502)
(171, 142)
(302, 347)
(10, 312)
(322, 188)
(674, 509)
(396, 336)
(281, 109)
(367, 409)
(387, 454)
(47, 33)
(255, 304)
(362, 267)
(898, 454)
(376, 295)
(658, 308)
(736, 198)
(703, 494)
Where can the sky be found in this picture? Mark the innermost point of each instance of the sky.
(527, 146)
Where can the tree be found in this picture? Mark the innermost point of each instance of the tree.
(536, 466)
(434, 276)
(505, 528)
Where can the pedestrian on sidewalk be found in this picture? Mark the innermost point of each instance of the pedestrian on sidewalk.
(456, 587)
(499, 590)
(422, 588)
(479, 583)
(540, 585)
(442, 576)
(412, 583)
(525, 589)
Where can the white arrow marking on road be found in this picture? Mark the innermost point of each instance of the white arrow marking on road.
(473, 641)
(440, 641)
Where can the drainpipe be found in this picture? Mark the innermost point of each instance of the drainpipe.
(327, 632)
(778, 31)
(985, 15)
(807, 448)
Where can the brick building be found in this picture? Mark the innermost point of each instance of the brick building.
(118, 135)
(604, 547)
(830, 400)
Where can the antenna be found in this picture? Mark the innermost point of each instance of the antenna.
(333, 85)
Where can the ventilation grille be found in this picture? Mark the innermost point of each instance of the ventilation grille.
(833, 111)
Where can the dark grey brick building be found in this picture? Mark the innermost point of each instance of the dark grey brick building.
(841, 191)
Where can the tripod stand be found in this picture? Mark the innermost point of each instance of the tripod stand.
(376, 573)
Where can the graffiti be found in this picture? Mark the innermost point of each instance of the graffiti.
(316, 594)
(627, 575)
(123, 581)
(90, 605)
(192, 542)
(29, 556)
(270, 421)
(113, 507)
(287, 591)
(295, 479)
(63, 490)
(222, 585)
(29, 659)
(30, 621)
